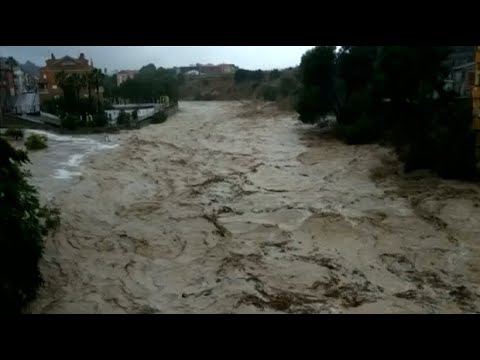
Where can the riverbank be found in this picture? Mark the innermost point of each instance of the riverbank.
(228, 209)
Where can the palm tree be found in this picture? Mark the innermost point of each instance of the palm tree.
(99, 77)
(90, 77)
(79, 83)
(61, 79)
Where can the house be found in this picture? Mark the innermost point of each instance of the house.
(208, 69)
(7, 87)
(20, 80)
(461, 55)
(463, 77)
(227, 68)
(193, 72)
(7, 79)
(186, 69)
(47, 83)
(124, 75)
(462, 70)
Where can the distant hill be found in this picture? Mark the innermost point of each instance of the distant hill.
(278, 86)
(30, 68)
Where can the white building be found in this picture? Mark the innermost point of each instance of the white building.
(124, 75)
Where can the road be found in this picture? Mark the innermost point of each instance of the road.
(237, 208)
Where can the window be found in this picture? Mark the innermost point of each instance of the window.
(44, 76)
(54, 87)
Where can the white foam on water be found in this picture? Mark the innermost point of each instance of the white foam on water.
(66, 138)
(65, 174)
(105, 146)
(87, 146)
(52, 136)
(74, 160)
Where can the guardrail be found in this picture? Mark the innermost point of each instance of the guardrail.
(147, 119)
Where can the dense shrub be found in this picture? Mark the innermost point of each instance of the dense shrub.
(36, 142)
(54, 106)
(310, 109)
(359, 132)
(242, 75)
(274, 74)
(14, 133)
(395, 95)
(159, 117)
(70, 122)
(100, 120)
(269, 93)
(21, 233)
(444, 141)
(288, 85)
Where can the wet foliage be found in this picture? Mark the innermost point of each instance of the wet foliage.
(36, 142)
(392, 94)
(21, 236)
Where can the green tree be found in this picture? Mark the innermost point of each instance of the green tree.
(317, 73)
(274, 74)
(181, 78)
(21, 234)
(241, 75)
(393, 93)
(147, 70)
(90, 79)
(269, 93)
(64, 81)
(98, 77)
(288, 85)
(149, 85)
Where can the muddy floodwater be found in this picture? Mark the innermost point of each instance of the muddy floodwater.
(230, 207)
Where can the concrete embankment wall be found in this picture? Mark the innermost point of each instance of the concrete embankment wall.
(9, 121)
(169, 111)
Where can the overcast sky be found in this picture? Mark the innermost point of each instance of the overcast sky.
(134, 57)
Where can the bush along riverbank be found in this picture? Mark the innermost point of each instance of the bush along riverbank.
(24, 225)
(394, 95)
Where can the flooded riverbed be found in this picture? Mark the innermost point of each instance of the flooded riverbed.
(60, 165)
(228, 208)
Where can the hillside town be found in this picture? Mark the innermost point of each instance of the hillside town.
(25, 89)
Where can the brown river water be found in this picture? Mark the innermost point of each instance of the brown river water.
(233, 207)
